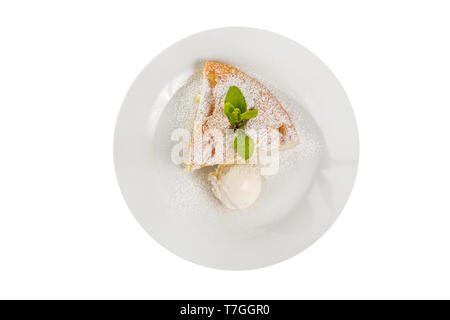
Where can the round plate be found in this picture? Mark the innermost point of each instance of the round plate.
(296, 207)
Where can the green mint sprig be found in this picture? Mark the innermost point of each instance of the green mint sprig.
(235, 108)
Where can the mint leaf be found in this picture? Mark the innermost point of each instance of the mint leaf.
(235, 108)
(249, 114)
(235, 117)
(228, 108)
(236, 98)
(230, 119)
(244, 144)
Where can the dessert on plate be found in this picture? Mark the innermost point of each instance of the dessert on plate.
(234, 103)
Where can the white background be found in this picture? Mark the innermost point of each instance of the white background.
(65, 231)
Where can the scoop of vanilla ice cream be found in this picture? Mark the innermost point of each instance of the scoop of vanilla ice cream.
(237, 186)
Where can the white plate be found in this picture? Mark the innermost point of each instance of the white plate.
(297, 206)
